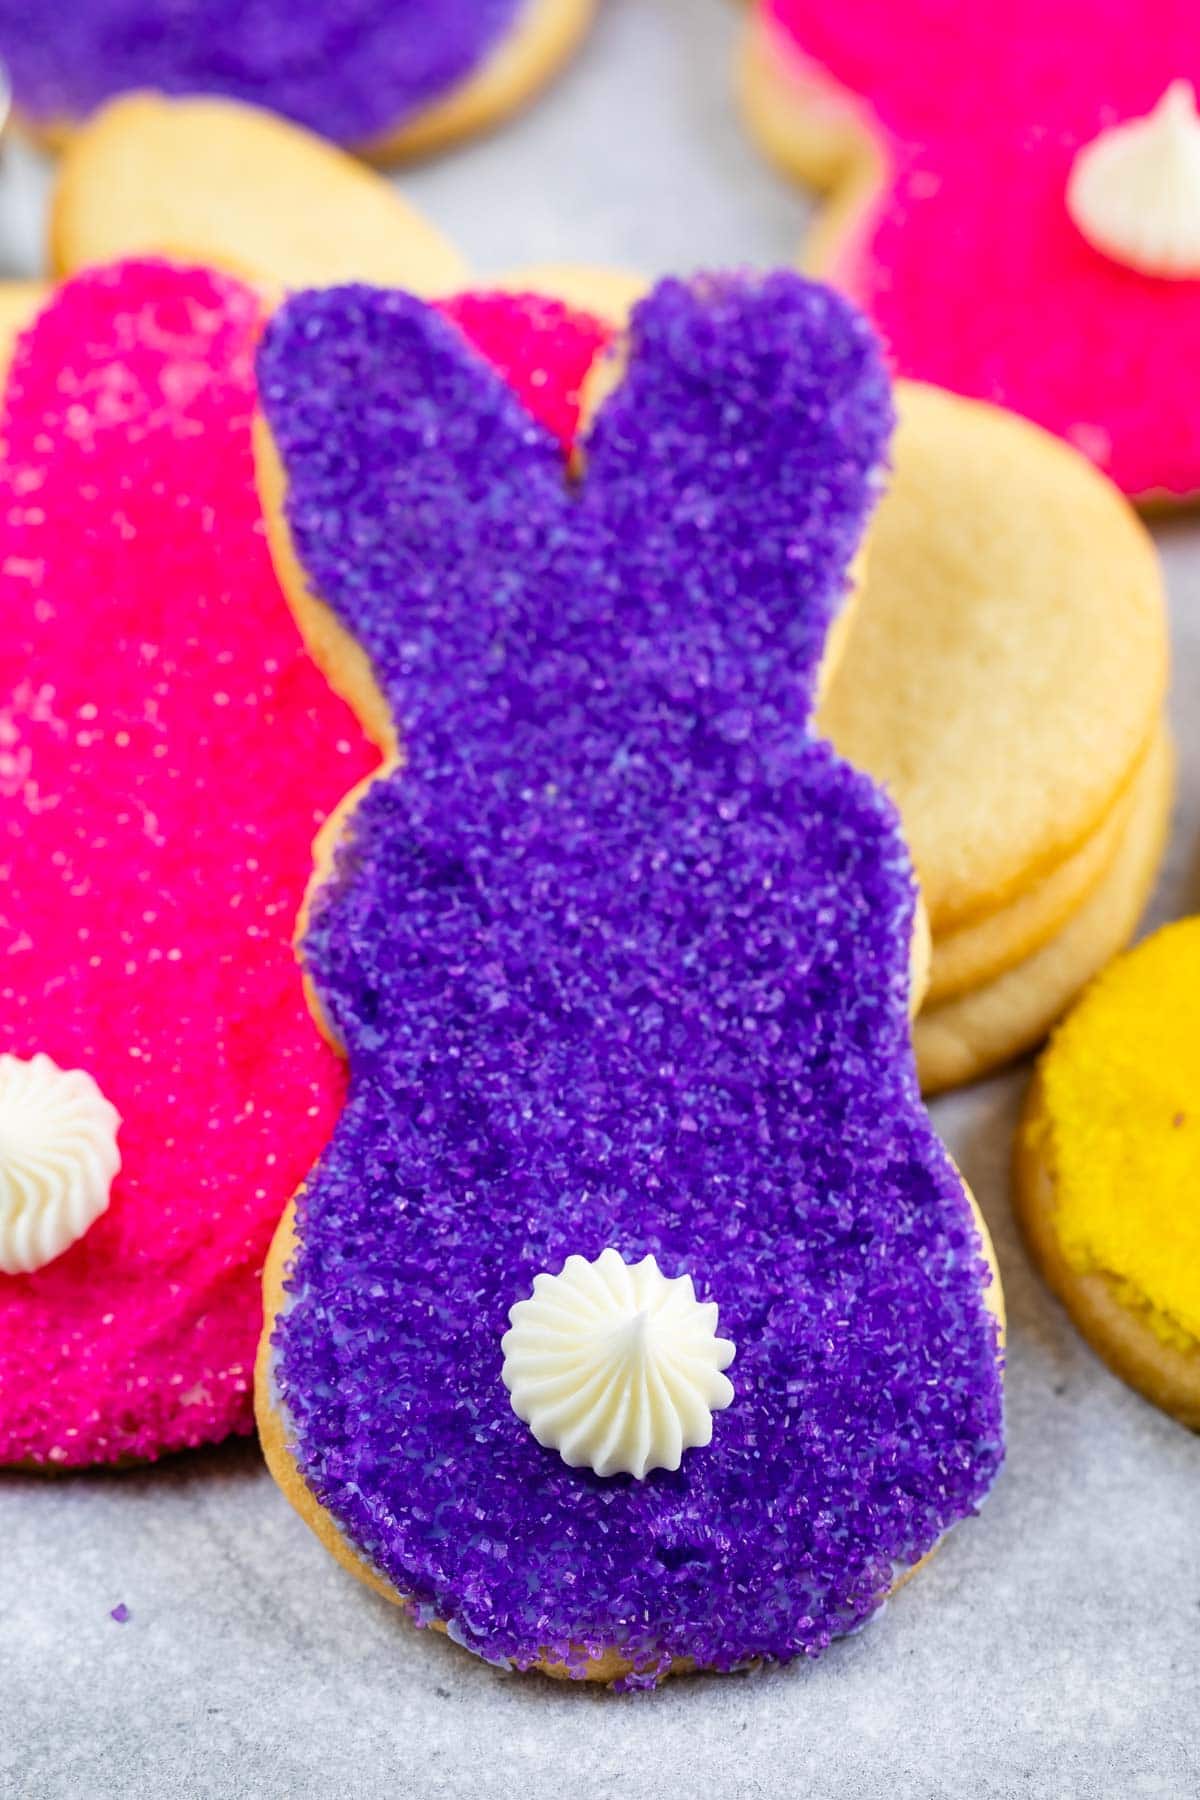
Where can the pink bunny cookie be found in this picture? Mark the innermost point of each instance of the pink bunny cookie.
(167, 751)
(1016, 201)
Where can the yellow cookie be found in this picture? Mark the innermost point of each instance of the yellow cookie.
(215, 182)
(1006, 670)
(1108, 1168)
(966, 1038)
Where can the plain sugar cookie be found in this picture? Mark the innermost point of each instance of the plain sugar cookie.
(962, 1039)
(1007, 664)
(974, 954)
(214, 181)
(621, 880)
(385, 78)
(1108, 1168)
(1013, 196)
(1004, 677)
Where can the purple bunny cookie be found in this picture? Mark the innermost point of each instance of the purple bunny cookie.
(384, 77)
(620, 960)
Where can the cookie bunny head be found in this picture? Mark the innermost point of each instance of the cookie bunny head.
(1015, 231)
(620, 959)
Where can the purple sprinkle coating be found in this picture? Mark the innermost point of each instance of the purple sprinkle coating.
(349, 69)
(621, 957)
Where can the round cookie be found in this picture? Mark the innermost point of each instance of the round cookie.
(1006, 670)
(167, 750)
(629, 788)
(388, 79)
(973, 955)
(947, 140)
(1108, 1168)
(960, 1040)
(215, 181)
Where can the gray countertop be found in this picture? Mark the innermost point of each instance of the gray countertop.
(1052, 1648)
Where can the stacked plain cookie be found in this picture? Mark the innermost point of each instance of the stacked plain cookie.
(1004, 678)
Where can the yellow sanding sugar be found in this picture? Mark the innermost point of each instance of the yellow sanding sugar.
(1121, 1104)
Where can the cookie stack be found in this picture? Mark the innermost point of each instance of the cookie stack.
(1004, 678)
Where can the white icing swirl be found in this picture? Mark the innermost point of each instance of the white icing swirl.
(58, 1159)
(1134, 191)
(615, 1366)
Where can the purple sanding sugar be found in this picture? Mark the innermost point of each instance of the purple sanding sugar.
(621, 957)
(121, 1614)
(350, 69)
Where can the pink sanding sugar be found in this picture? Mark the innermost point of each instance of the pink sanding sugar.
(167, 750)
(970, 262)
(542, 348)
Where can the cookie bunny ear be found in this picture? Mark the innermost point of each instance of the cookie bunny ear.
(215, 182)
(773, 387)
(413, 471)
(396, 463)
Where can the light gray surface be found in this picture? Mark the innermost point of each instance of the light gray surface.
(1051, 1648)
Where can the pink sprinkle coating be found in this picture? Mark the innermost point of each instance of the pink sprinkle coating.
(970, 263)
(542, 349)
(167, 750)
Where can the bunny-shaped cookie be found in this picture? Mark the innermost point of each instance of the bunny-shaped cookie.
(620, 959)
(388, 78)
(167, 750)
(989, 216)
